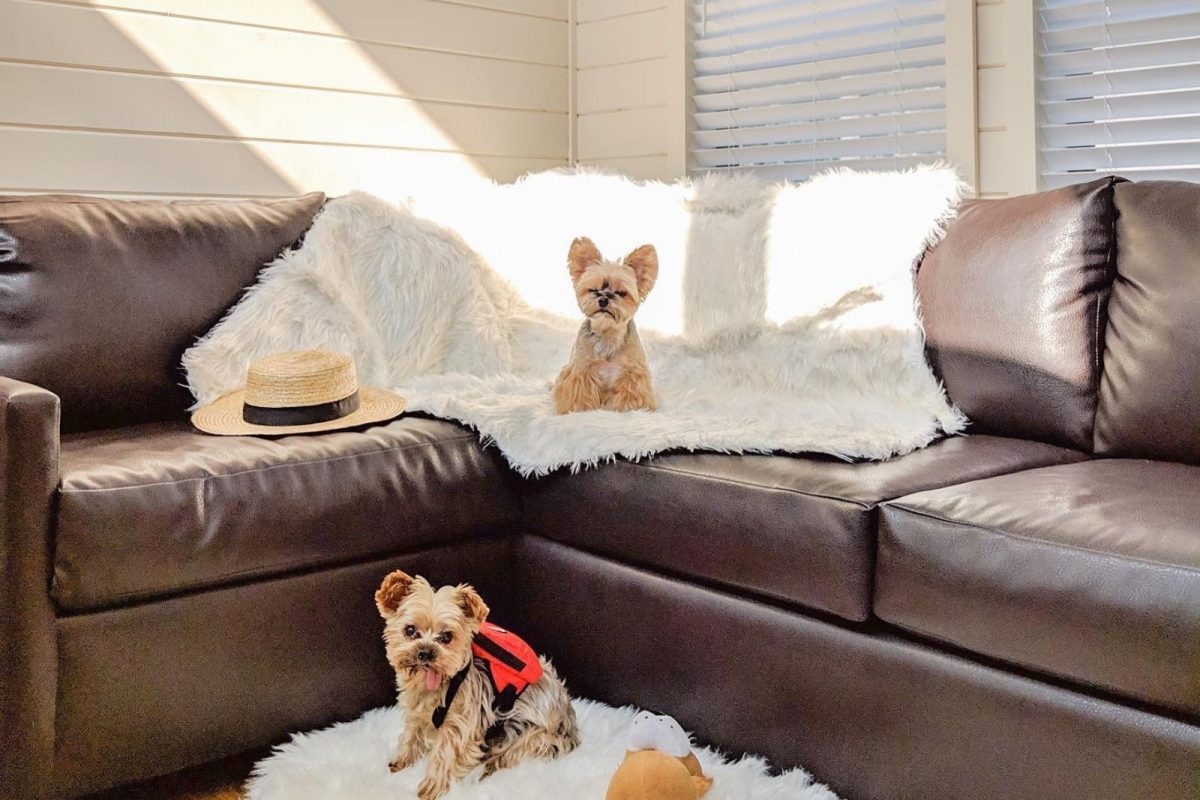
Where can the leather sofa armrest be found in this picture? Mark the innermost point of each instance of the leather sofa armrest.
(29, 477)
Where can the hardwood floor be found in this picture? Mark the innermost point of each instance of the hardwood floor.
(220, 780)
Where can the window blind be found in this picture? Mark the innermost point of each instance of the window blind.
(790, 87)
(1119, 89)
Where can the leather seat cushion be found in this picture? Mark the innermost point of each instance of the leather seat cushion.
(800, 530)
(99, 298)
(1088, 571)
(160, 509)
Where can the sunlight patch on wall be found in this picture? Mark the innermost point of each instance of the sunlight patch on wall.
(392, 153)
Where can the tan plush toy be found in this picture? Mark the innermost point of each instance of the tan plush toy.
(659, 763)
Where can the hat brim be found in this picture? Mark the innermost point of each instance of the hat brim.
(223, 417)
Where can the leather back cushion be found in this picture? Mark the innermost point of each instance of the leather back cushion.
(99, 298)
(1013, 301)
(1150, 390)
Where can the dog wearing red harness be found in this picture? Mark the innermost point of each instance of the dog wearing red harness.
(473, 693)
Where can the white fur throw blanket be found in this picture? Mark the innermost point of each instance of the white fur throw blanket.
(783, 319)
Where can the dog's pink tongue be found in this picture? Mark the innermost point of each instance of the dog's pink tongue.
(432, 678)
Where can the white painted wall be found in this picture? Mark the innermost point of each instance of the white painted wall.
(237, 98)
(631, 86)
(1006, 91)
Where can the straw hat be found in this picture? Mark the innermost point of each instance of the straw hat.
(301, 391)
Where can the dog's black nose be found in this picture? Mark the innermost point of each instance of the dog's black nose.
(424, 655)
(602, 302)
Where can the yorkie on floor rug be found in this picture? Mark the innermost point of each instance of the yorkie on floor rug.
(350, 762)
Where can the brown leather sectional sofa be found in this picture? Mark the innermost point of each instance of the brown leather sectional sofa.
(1010, 614)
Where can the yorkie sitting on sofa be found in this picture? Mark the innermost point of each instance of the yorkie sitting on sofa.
(608, 367)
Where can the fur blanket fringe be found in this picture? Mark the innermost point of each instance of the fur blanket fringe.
(349, 761)
(784, 317)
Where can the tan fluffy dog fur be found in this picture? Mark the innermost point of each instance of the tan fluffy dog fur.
(608, 367)
(440, 625)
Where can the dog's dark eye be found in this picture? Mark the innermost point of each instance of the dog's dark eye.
(410, 631)
(445, 637)
(621, 294)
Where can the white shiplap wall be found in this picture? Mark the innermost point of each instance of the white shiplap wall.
(182, 98)
(630, 86)
(229, 98)
(1006, 62)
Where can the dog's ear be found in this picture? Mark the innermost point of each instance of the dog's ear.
(472, 604)
(582, 255)
(392, 591)
(644, 263)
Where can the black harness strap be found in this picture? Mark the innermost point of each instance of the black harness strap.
(502, 701)
(499, 653)
(439, 713)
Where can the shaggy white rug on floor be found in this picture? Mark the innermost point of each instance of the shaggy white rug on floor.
(350, 762)
(784, 317)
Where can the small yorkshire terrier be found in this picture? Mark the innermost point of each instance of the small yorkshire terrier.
(608, 365)
(473, 693)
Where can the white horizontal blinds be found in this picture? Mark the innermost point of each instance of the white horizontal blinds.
(791, 87)
(1120, 89)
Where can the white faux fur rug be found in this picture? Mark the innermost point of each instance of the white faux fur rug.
(783, 319)
(350, 762)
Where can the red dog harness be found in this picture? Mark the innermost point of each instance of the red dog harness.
(509, 662)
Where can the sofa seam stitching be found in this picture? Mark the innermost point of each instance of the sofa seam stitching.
(1102, 300)
(1108, 265)
(157, 590)
(1025, 664)
(267, 468)
(1046, 543)
(267, 572)
(861, 504)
